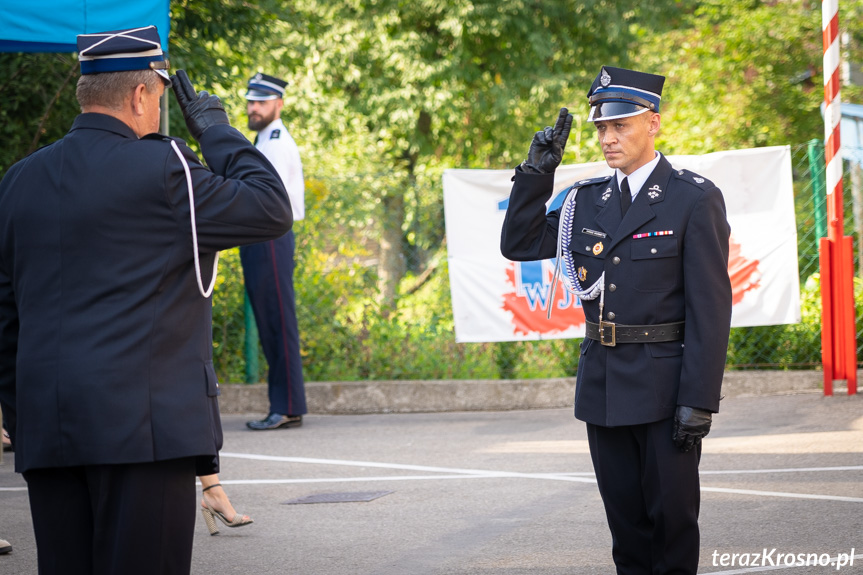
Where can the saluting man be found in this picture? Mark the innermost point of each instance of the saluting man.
(106, 354)
(647, 251)
(268, 268)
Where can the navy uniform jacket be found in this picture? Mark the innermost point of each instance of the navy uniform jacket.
(105, 339)
(681, 276)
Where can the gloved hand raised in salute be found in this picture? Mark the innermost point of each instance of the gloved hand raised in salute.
(546, 149)
(200, 110)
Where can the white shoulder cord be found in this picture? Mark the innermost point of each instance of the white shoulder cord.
(206, 293)
(570, 280)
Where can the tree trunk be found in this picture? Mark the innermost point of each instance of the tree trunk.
(391, 267)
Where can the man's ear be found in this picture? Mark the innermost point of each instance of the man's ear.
(653, 124)
(138, 107)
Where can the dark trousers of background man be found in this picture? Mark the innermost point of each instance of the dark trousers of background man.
(651, 494)
(134, 519)
(268, 270)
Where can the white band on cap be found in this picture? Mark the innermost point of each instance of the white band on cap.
(155, 52)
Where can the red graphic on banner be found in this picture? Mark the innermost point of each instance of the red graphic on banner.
(744, 273)
(529, 308)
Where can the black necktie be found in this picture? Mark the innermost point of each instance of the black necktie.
(625, 196)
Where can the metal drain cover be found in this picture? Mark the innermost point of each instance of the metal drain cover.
(349, 497)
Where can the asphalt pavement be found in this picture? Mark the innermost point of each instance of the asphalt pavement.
(512, 492)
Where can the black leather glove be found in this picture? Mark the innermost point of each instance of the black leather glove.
(200, 110)
(690, 425)
(546, 149)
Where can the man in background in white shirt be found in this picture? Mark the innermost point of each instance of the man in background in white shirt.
(268, 268)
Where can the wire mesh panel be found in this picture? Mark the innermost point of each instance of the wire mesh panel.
(373, 294)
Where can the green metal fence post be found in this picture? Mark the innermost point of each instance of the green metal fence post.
(819, 195)
(251, 348)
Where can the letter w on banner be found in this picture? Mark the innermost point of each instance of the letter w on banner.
(494, 299)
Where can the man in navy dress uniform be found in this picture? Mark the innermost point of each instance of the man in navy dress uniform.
(268, 268)
(107, 239)
(647, 251)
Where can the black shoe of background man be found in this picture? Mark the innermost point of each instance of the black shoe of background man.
(275, 421)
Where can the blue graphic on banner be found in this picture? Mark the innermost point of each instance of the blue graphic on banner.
(533, 279)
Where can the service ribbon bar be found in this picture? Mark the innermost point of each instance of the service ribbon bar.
(651, 234)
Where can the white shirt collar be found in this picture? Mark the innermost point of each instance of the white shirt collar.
(264, 134)
(639, 176)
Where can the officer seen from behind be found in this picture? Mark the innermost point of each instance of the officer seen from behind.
(108, 239)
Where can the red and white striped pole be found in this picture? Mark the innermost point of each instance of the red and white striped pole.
(832, 99)
(838, 334)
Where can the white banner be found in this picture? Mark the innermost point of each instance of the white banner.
(495, 299)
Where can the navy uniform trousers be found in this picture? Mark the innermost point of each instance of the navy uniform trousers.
(268, 270)
(650, 491)
(95, 519)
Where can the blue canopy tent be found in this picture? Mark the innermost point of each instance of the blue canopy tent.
(52, 25)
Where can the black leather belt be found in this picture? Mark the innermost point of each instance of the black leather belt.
(610, 334)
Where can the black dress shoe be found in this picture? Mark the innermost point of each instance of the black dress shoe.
(276, 421)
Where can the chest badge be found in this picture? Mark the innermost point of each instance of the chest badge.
(582, 274)
(597, 248)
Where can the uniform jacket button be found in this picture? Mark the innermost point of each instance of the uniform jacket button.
(615, 260)
(611, 315)
(653, 250)
(612, 287)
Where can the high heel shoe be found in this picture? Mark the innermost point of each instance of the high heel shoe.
(210, 515)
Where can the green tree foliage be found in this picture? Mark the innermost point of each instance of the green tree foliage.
(37, 102)
(386, 94)
(740, 75)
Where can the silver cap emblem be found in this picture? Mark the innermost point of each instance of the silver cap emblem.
(605, 79)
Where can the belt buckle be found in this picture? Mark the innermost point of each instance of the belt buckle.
(602, 338)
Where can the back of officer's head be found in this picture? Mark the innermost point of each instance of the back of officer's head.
(114, 63)
(111, 89)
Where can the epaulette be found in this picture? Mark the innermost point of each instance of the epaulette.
(591, 181)
(693, 178)
(162, 138)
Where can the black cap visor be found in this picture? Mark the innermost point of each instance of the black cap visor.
(260, 96)
(612, 110)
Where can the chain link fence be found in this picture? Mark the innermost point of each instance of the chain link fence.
(349, 333)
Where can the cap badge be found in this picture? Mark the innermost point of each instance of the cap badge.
(698, 180)
(582, 274)
(597, 248)
(605, 79)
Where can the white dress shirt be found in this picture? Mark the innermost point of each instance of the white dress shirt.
(639, 176)
(279, 147)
